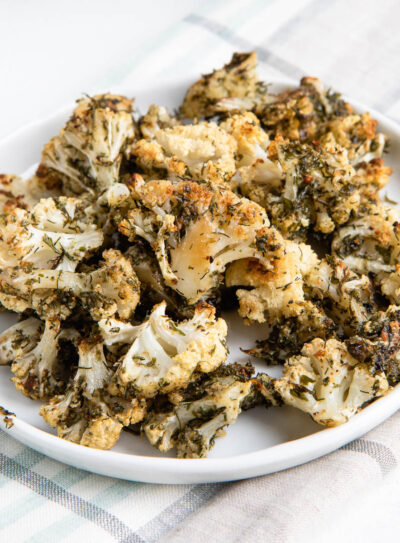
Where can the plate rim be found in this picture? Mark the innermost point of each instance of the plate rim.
(162, 470)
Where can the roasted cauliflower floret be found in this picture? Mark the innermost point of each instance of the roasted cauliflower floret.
(318, 188)
(201, 152)
(85, 413)
(287, 335)
(377, 343)
(348, 298)
(195, 230)
(252, 162)
(371, 243)
(38, 373)
(164, 354)
(112, 288)
(157, 118)
(302, 113)
(55, 234)
(87, 153)
(357, 134)
(371, 176)
(277, 292)
(237, 79)
(326, 382)
(19, 339)
(193, 424)
(16, 191)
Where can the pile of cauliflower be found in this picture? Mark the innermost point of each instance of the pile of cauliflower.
(136, 232)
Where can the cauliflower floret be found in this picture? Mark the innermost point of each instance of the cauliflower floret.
(201, 152)
(164, 355)
(378, 343)
(18, 192)
(86, 414)
(252, 162)
(193, 424)
(19, 339)
(347, 297)
(372, 176)
(287, 335)
(196, 230)
(301, 114)
(318, 188)
(87, 153)
(371, 243)
(38, 373)
(157, 118)
(357, 134)
(55, 234)
(278, 292)
(112, 288)
(326, 382)
(238, 79)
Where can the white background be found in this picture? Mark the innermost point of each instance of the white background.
(53, 51)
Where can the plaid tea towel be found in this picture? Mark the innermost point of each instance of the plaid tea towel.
(352, 494)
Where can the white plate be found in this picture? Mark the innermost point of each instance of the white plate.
(260, 442)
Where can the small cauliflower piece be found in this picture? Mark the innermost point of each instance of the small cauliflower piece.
(277, 292)
(370, 243)
(377, 343)
(157, 118)
(87, 153)
(110, 289)
(237, 79)
(193, 424)
(372, 176)
(19, 339)
(200, 152)
(252, 162)
(38, 373)
(287, 335)
(300, 114)
(347, 297)
(317, 188)
(164, 354)
(357, 134)
(55, 234)
(85, 413)
(326, 382)
(18, 192)
(196, 231)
